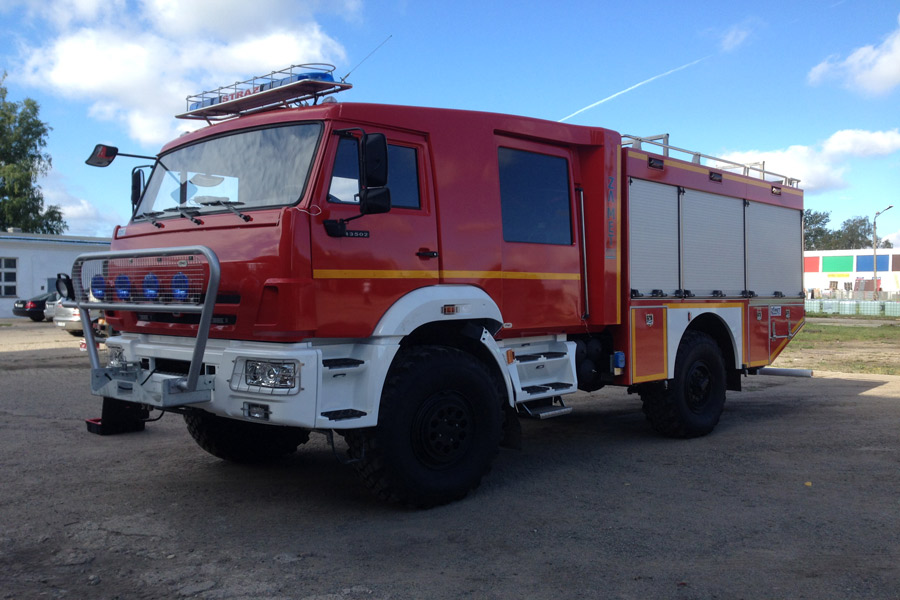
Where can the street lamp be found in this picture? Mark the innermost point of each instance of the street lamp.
(875, 248)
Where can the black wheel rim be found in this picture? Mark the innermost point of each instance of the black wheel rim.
(444, 430)
(699, 385)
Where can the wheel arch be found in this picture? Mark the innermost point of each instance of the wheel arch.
(713, 325)
(421, 318)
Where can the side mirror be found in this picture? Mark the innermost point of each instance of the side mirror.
(137, 186)
(374, 160)
(374, 201)
(102, 156)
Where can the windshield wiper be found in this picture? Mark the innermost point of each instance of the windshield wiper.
(229, 204)
(187, 213)
(152, 216)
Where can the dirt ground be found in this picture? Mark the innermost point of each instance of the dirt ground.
(855, 356)
(795, 495)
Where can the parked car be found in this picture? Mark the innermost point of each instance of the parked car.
(33, 308)
(50, 309)
(68, 319)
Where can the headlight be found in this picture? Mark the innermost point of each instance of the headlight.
(276, 375)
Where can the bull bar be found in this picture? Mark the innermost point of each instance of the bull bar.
(106, 381)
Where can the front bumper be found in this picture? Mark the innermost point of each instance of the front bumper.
(337, 385)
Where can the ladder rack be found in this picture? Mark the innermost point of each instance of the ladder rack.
(295, 84)
(757, 169)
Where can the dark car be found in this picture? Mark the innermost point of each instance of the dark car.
(33, 308)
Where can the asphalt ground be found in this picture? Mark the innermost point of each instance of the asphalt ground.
(795, 495)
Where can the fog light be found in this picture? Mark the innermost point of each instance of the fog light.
(276, 375)
(115, 357)
(256, 411)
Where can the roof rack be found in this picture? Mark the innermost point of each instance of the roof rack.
(757, 169)
(295, 84)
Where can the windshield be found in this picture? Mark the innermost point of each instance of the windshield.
(252, 169)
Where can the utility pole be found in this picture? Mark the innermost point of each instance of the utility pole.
(875, 248)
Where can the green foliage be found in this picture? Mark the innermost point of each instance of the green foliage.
(23, 137)
(815, 226)
(854, 234)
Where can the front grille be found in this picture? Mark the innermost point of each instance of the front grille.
(184, 319)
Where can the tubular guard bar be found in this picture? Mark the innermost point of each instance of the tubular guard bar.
(188, 264)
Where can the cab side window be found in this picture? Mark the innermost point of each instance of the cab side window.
(534, 197)
(345, 176)
(403, 175)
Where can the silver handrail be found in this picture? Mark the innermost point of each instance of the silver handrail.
(663, 142)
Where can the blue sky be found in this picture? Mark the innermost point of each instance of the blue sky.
(812, 88)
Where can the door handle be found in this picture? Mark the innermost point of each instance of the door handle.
(427, 254)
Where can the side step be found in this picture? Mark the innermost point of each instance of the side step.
(544, 409)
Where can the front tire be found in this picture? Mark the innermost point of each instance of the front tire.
(240, 441)
(695, 398)
(439, 428)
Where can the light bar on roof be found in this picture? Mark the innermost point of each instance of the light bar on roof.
(297, 83)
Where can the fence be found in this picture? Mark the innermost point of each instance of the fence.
(869, 308)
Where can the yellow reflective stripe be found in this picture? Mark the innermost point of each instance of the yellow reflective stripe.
(370, 274)
(387, 274)
(508, 275)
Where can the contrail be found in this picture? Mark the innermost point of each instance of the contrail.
(637, 85)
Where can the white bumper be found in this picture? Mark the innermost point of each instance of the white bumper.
(338, 384)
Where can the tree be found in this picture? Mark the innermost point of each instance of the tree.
(817, 234)
(23, 137)
(854, 234)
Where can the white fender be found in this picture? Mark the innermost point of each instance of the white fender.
(426, 305)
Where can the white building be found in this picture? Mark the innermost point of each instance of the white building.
(29, 263)
(847, 273)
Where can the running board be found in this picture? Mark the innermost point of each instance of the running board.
(540, 409)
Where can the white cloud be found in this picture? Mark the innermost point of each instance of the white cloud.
(136, 67)
(856, 142)
(872, 69)
(734, 37)
(822, 167)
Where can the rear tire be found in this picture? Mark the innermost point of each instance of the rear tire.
(36, 318)
(439, 428)
(243, 442)
(695, 398)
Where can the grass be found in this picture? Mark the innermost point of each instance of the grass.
(845, 348)
(818, 333)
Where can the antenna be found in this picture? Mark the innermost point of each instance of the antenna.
(387, 39)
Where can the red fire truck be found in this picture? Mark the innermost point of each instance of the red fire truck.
(418, 279)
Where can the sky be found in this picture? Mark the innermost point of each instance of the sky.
(810, 87)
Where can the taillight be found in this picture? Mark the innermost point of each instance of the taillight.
(30, 305)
